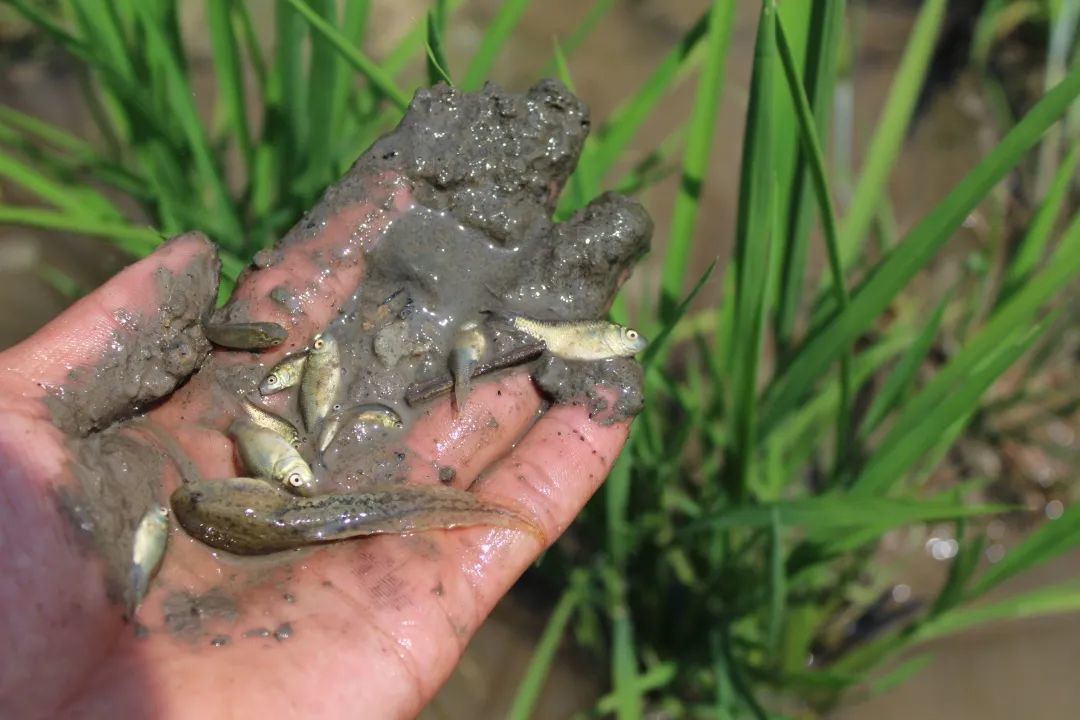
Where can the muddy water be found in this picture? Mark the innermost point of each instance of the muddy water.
(1002, 672)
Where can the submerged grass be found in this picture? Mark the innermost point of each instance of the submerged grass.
(735, 527)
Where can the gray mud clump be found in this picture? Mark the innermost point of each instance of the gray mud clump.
(485, 171)
(149, 355)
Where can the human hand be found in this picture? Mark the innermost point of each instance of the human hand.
(361, 628)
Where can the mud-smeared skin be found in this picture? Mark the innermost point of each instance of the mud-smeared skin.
(568, 381)
(249, 516)
(186, 613)
(149, 356)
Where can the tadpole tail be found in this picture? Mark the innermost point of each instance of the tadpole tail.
(461, 367)
(409, 509)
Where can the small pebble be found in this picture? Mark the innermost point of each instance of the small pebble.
(289, 598)
(284, 632)
(220, 640)
(259, 632)
(447, 475)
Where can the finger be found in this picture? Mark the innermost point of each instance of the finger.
(128, 342)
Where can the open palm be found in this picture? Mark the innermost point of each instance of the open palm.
(363, 628)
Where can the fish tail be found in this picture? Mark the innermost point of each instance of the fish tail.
(134, 592)
(327, 434)
(461, 367)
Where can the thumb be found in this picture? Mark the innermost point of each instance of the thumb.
(128, 343)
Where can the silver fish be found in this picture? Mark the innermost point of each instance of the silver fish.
(469, 345)
(283, 375)
(320, 380)
(268, 455)
(579, 339)
(151, 538)
(369, 413)
(264, 418)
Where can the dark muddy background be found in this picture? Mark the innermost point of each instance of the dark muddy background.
(1008, 671)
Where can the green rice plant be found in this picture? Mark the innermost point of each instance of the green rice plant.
(788, 426)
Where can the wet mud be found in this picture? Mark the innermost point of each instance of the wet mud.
(483, 171)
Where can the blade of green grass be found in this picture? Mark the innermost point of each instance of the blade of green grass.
(777, 581)
(287, 94)
(378, 77)
(918, 248)
(498, 32)
(252, 45)
(907, 670)
(651, 680)
(629, 704)
(596, 13)
(889, 135)
(138, 241)
(1049, 541)
(816, 165)
(1053, 600)
(961, 569)
(230, 79)
(101, 28)
(905, 445)
(843, 512)
(561, 66)
(699, 142)
(824, 37)
(657, 344)
(615, 134)
(900, 379)
(1064, 15)
(48, 132)
(326, 64)
(75, 201)
(1016, 315)
(753, 241)
(438, 66)
(182, 106)
(353, 28)
(1033, 245)
(544, 655)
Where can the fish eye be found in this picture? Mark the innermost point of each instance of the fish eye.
(318, 344)
(272, 379)
(163, 511)
(337, 407)
(632, 334)
(295, 480)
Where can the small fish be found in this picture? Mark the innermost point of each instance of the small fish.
(320, 380)
(264, 418)
(369, 413)
(579, 339)
(284, 375)
(268, 455)
(246, 336)
(469, 345)
(151, 538)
